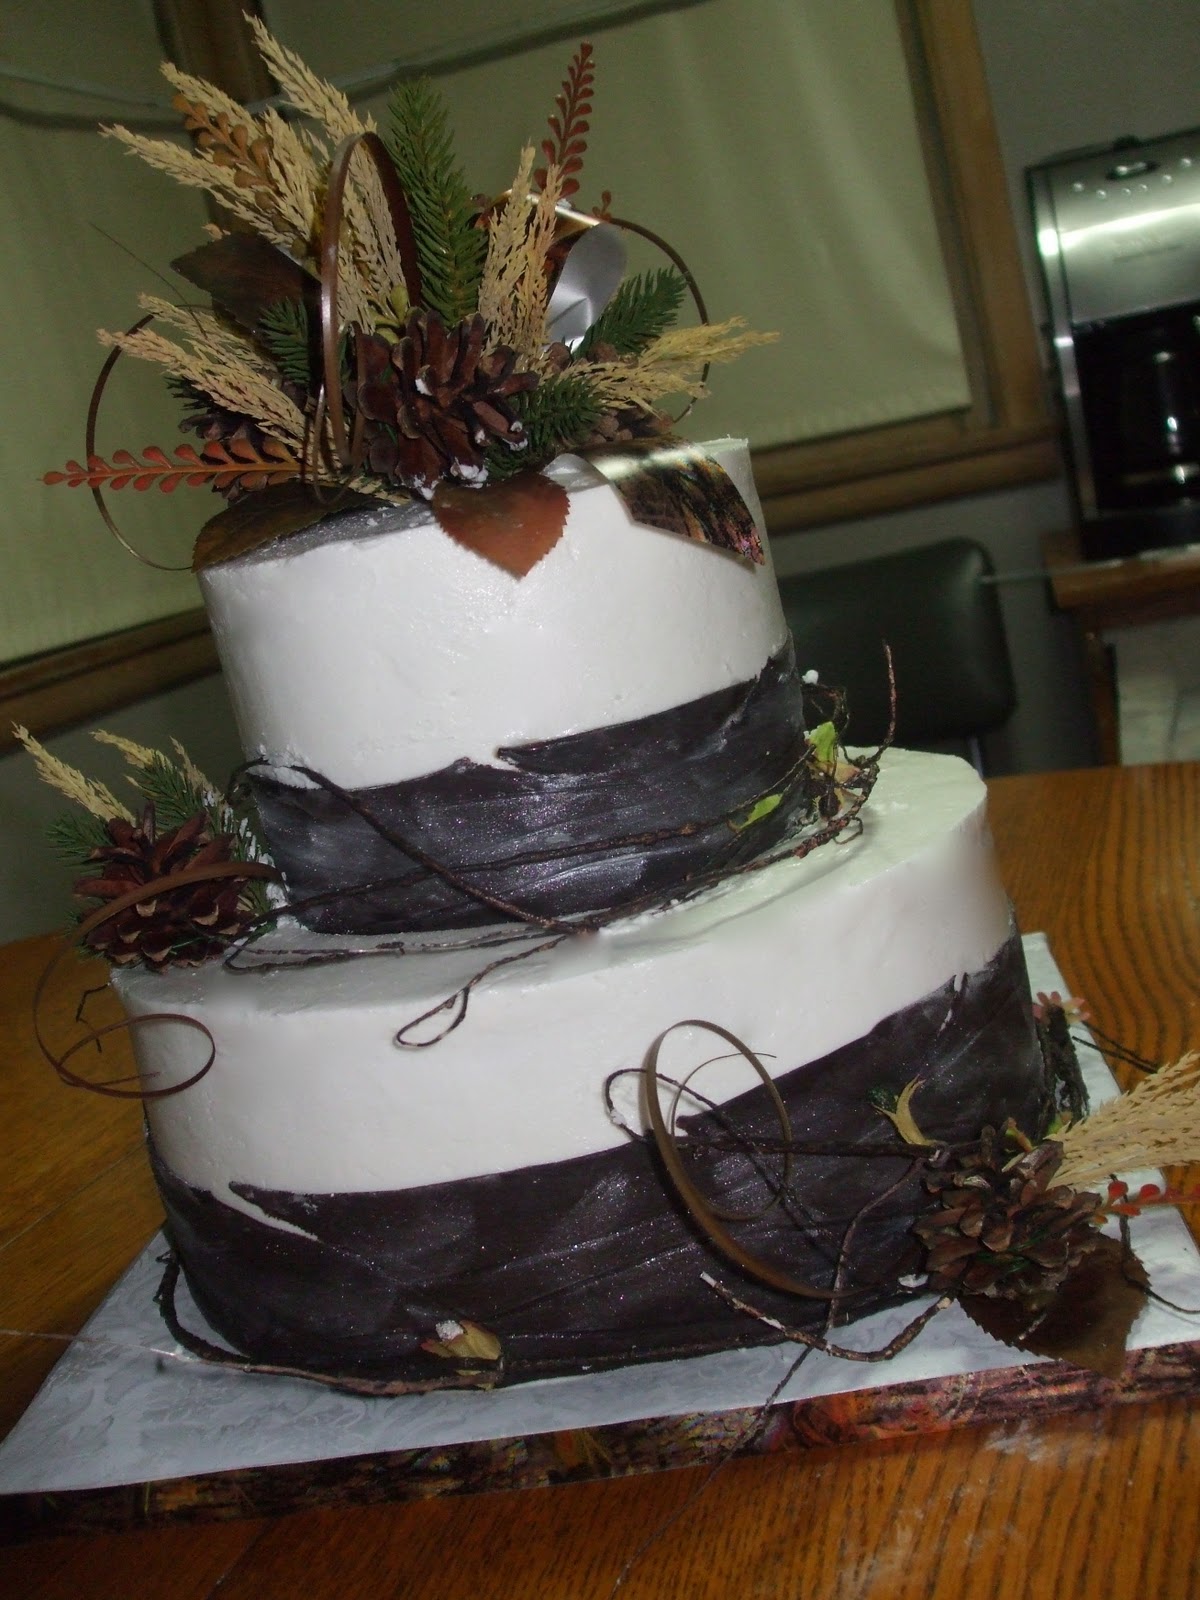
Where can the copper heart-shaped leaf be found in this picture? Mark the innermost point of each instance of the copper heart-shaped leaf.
(1088, 1320)
(513, 524)
(257, 519)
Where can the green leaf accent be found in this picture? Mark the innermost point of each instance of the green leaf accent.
(284, 329)
(643, 307)
(75, 835)
(558, 415)
(823, 739)
(450, 248)
(760, 809)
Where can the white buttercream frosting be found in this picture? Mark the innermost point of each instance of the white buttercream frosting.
(383, 649)
(308, 1091)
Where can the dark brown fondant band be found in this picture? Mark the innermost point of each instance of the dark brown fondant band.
(590, 1262)
(565, 826)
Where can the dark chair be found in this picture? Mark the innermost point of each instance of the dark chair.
(942, 621)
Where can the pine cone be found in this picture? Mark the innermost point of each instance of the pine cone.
(215, 423)
(181, 927)
(434, 401)
(1001, 1230)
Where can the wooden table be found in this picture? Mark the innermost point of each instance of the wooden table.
(1082, 1507)
(1102, 595)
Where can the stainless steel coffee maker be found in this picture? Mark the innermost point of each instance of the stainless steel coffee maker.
(1118, 234)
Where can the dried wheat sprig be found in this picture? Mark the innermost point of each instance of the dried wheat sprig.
(673, 364)
(214, 335)
(368, 217)
(69, 781)
(693, 348)
(513, 288)
(195, 171)
(192, 772)
(214, 100)
(1156, 1124)
(293, 162)
(233, 384)
(298, 162)
(505, 253)
(137, 755)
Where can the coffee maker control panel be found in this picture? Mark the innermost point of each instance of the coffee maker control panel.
(1124, 226)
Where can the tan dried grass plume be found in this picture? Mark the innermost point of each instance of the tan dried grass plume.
(1156, 1124)
(513, 290)
(240, 385)
(672, 364)
(372, 240)
(94, 797)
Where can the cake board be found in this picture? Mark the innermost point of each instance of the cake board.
(129, 1430)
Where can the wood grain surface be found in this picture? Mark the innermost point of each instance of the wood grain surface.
(1099, 1504)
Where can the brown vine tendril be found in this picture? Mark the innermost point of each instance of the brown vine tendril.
(146, 891)
(217, 1355)
(93, 414)
(701, 1209)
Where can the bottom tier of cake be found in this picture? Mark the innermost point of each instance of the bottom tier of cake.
(337, 1200)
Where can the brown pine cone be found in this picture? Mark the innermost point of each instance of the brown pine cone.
(434, 401)
(1000, 1229)
(216, 424)
(177, 927)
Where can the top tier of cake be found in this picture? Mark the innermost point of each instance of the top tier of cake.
(397, 688)
(376, 649)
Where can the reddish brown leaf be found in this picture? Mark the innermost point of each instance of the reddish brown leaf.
(513, 524)
(245, 275)
(1088, 1320)
(272, 513)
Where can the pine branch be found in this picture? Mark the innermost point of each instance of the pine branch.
(642, 309)
(74, 837)
(450, 248)
(283, 328)
(174, 796)
(560, 414)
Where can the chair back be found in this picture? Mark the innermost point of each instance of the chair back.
(943, 624)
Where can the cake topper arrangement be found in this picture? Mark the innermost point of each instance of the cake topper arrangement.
(379, 330)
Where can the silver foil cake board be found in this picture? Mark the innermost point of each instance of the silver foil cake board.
(131, 1427)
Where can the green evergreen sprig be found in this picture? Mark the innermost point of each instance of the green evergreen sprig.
(284, 329)
(74, 836)
(450, 248)
(642, 309)
(558, 415)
